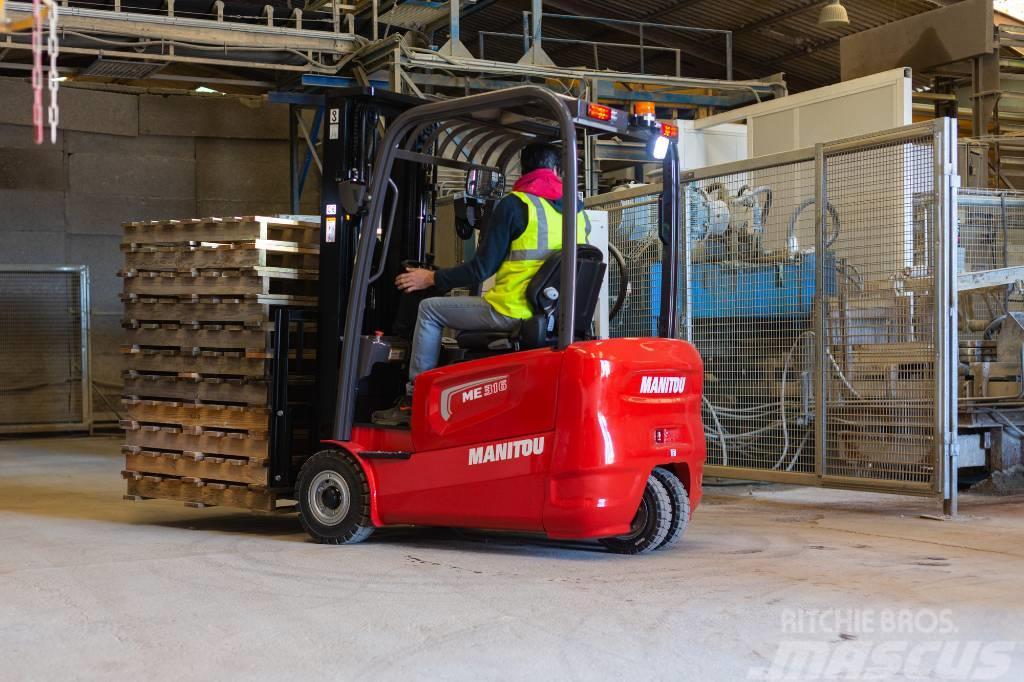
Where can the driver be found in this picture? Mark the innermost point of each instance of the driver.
(525, 228)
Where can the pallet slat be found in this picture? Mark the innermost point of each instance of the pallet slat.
(254, 393)
(186, 337)
(196, 367)
(213, 314)
(206, 468)
(236, 229)
(203, 416)
(287, 282)
(155, 487)
(259, 252)
(179, 440)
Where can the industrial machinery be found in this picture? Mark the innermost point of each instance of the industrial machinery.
(749, 307)
(991, 312)
(745, 294)
(816, 327)
(553, 432)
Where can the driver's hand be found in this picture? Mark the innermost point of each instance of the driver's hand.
(415, 279)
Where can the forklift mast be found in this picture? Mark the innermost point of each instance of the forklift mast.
(352, 133)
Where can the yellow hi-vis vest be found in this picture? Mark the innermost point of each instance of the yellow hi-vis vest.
(541, 238)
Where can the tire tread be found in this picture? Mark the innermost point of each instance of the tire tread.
(363, 527)
(663, 518)
(680, 505)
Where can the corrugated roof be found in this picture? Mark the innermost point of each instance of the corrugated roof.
(769, 36)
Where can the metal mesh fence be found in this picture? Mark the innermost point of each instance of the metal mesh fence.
(633, 230)
(809, 288)
(750, 310)
(991, 236)
(880, 325)
(43, 349)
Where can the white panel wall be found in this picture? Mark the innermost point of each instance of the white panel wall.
(721, 144)
(856, 107)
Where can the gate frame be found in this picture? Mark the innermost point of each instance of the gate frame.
(85, 312)
(944, 217)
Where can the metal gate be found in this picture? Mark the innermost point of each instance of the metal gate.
(818, 287)
(44, 348)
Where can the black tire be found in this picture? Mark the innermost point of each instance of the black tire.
(334, 499)
(650, 525)
(680, 506)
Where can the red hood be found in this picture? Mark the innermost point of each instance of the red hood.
(541, 182)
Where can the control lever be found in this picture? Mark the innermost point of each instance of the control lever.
(418, 264)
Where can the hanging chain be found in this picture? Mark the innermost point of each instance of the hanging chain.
(37, 70)
(53, 113)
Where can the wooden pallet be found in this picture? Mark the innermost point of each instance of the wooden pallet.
(256, 253)
(253, 392)
(147, 339)
(220, 230)
(200, 298)
(210, 312)
(195, 465)
(174, 335)
(208, 442)
(196, 492)
(209, 364)
(205, 363)
(253, 281)
(198, 416)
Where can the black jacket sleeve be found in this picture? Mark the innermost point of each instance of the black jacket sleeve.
(507, 222)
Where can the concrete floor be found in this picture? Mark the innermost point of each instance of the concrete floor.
(768, 582)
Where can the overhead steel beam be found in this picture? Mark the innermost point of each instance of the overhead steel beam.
(198, 31)
(454, 47)
(536, 54)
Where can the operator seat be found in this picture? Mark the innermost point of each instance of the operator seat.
(542, 295)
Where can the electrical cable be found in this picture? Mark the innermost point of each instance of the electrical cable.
(830, 238)
(721, 431)
(625, 286)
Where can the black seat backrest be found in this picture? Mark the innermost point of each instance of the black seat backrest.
(542, 328)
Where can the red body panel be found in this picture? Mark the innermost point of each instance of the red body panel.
(559, 442)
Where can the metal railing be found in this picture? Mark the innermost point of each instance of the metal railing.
(531, 31)
(45, 378)
(817, 286)
(595, 46)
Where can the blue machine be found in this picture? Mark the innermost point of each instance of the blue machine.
(753, 291)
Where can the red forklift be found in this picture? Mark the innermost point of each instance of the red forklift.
(542, 430)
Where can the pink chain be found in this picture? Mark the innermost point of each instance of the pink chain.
(37, 70)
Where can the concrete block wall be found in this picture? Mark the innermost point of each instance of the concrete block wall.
(127, 156)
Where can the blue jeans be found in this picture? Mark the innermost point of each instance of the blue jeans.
(462, 313)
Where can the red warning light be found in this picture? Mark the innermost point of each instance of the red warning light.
(669, 130)
(599, 112)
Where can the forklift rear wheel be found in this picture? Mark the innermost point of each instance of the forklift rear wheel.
(334, 499)
(651, 524)
(680, 505)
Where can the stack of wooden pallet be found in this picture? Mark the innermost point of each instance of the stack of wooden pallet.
(199, 303)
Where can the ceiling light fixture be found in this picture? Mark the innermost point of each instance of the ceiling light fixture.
(833, 15)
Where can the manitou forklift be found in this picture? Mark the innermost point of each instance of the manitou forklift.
(542, 430)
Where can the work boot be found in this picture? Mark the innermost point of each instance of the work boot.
(399, 415)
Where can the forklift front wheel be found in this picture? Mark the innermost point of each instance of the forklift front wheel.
(334, 499)
(651, 524)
